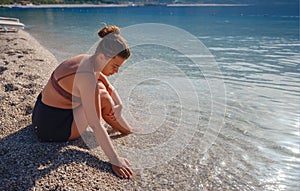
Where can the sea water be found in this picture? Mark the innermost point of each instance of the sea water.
(240, 92)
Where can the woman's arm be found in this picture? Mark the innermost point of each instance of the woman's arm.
(115, 96)
(111, 90)
(90, 98)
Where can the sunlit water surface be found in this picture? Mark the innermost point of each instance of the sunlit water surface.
(257, 144)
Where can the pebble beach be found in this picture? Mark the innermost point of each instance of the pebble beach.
(25, 163)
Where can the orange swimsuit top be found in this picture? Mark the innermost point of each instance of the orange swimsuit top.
(68, 95)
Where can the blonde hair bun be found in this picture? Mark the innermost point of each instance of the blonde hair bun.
(109, 29)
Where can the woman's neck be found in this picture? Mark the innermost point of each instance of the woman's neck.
(86, 64)
(97, 62)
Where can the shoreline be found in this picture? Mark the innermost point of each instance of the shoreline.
(120, 5)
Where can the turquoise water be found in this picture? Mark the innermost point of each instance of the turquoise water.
(256, 50)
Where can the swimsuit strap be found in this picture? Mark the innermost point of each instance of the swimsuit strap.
(68, 95)
(65, 76)
(62, 91)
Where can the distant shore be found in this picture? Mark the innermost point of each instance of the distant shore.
(118, 5)
(207, 5)
(64, 5)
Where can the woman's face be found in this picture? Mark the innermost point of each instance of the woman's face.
(113, 65)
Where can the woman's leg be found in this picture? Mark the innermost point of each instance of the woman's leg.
(107, 105)
(80, 125)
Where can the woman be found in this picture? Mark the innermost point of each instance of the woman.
(79, 90)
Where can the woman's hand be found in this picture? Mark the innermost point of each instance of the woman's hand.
(123, 169)
(117, 110)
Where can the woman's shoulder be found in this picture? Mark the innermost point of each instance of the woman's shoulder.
(70, 65)
(75, 59)
(72, 62)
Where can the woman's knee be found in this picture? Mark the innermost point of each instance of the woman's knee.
(106, 101)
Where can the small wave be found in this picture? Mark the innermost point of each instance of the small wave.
(204, 37)
(228, 49)
(238, 49)
(286, 45)
(288, 61)
(287, 54)
(290, 16)
(273, 56)
(268, 47)
(195, 56)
